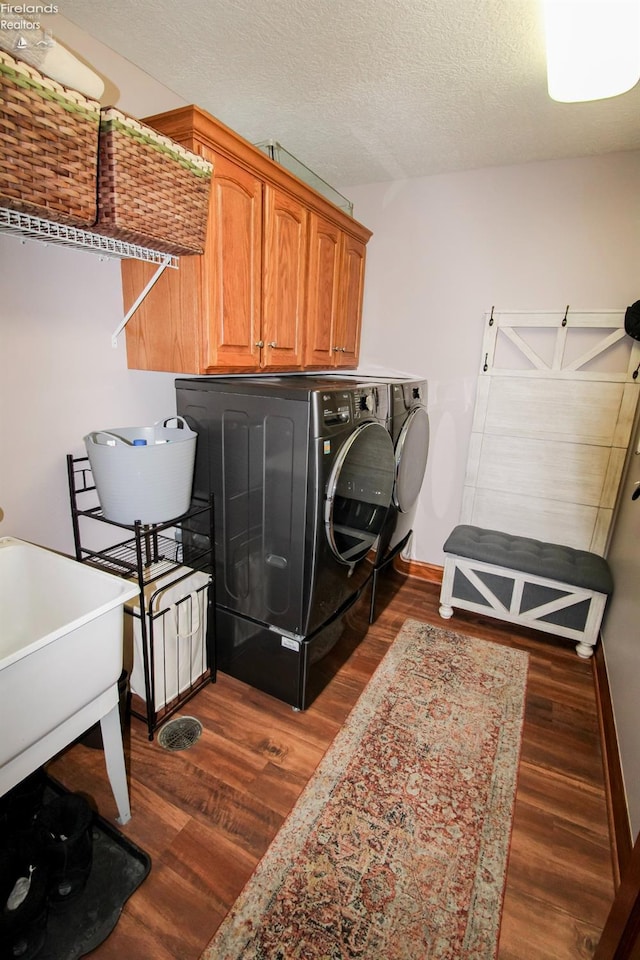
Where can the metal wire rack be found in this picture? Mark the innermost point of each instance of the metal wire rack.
(162, 558)
(28, 227)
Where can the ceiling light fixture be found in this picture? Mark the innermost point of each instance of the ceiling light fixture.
(593, 48)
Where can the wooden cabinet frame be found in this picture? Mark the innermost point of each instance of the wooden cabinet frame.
(270, 292)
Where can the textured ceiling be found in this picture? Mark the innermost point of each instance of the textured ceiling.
(367, 90)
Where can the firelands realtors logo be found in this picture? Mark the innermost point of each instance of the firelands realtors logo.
(13, 15)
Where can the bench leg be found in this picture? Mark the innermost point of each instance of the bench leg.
(586, 645)
(446, 591)
(584, 650)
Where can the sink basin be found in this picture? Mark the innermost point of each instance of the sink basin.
(60, 660)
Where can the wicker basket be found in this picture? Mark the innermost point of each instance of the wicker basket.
(48, 146)
(151, 191)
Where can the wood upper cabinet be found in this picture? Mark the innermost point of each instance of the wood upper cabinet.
(323, 292)
(279, 285)
(352, 292)
(336, 288)
(232, 315)
(284, 279)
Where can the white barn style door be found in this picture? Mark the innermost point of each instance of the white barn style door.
(554, 411)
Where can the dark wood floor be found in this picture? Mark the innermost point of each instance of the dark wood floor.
(206, 815)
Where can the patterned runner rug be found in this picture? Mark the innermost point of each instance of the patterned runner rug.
(397, 848)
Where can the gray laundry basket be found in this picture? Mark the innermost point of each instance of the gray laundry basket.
(143, 473)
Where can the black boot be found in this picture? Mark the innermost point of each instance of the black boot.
(20, 807)
(66, 825)
(23, 900)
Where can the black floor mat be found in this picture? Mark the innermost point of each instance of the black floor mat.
(119, 867)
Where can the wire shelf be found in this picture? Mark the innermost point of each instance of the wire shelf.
(159, 554)
(27, 227)
(164, 554)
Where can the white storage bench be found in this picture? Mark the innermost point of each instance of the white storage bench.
(545, 586)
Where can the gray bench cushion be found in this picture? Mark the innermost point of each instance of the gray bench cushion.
(579, 568)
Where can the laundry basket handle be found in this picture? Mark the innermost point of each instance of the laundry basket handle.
(181, 423)
(111, 438)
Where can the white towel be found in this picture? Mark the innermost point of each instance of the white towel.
(37, 47)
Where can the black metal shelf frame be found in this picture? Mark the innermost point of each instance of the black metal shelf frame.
(151, 552)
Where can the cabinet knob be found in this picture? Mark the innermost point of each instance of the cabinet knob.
(336, 349)
(273, 344)
(260, 343)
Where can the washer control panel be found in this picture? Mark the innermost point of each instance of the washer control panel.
(407, 394)
(366, 402)
(336, 407)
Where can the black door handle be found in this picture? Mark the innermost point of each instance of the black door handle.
(636, 492)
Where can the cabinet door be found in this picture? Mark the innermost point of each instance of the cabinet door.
(284, 276)
(323, 292)
(233, 268)
(351, 294)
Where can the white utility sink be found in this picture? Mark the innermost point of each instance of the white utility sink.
(60, 661)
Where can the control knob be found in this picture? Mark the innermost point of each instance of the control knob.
(366, 402)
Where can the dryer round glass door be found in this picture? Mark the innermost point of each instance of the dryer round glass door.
(412, 448)
(359, 492)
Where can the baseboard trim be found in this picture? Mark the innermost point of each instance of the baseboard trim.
(619, 826)
(430, 572)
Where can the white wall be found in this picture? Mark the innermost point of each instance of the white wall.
(620, 632)
(446, 248)
(60, 378)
